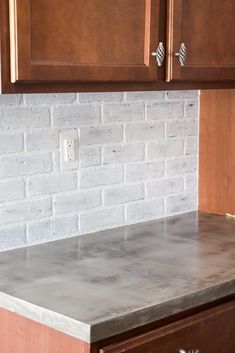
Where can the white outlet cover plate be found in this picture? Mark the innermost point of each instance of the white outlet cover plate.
(65, 163)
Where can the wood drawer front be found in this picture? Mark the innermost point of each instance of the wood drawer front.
(211, 331)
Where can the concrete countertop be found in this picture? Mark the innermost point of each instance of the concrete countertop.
(95, 286)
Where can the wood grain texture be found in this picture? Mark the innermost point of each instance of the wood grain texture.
(209, 331)
(207, 27)
(21, 335)
(217, 152)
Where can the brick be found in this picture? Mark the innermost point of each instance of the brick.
(144, 210)
(165, 110)
(52, 184)
(180, 166)
(65, 226)
(122, 194)
(12, 190)
(101, 176)
(100, 97)
(101, 135)
(102, 219)
(24, 117)
(181, 203)
(123, 112)
(90, 156)
(25, 211)
(192, 144)
(192, 109)
(45, 139)
(182, 94)
(25, 164)
(51, 98)
(165, 148)
(123, 153)
(191, 127)
(191, 182)
(146, 96)
(77, 201)
(39, 232)
(142, 171)
(10, 99)
(144, 131)
(174, 129)
(12, 237)
(164, 187)
(76, 115)
(11, 142)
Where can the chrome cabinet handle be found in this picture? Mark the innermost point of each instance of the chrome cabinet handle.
(159, 54)
(182, 54)
(190, 351)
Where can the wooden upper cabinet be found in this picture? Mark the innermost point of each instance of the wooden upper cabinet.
(207, 29)
(81, 40)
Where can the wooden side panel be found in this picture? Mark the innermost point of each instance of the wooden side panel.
(217, 152)
(21, 335)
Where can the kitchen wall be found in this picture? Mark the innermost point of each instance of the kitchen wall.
(138, 161)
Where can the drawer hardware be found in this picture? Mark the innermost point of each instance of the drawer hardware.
(159, 54)
(182, 54)
(190, 351)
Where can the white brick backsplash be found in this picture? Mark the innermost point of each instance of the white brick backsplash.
(144, 131)
(76, 115)
(24, 117)
(123, 112)
(10, 99)
(65, 226)
(100, 97)
(39, 232)
(181, 203)
(165, 110)
(145, 210)
(42, 139)
(101, 134)
(77, 201)
(164, 187)
(101, 219)
(12, 237)
(25, 164)
(52, 184)
(90, 156)
(123, 153)
(11, 142)
(138, 160)
(180, 166)
(165, 148)
(12, 190)
(123, 194)
(101, 176)
(50, 98)
(143, 171)
(24, 211)
(145, 96)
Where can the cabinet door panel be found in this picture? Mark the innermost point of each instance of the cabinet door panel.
(80, 40)
(210, 331)
(207, 28)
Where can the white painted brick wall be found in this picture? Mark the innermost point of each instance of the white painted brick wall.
(138, 161)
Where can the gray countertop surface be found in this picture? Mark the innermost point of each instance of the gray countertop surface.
(96, 286)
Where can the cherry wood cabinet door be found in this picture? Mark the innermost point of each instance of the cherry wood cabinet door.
(81, 40)
(211, 331)
(207, 30)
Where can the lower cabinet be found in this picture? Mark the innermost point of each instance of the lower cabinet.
(210, 331)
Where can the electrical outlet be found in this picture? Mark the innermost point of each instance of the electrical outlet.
(69, 149)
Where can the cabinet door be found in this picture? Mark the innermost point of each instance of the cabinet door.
(208, 332)
(84, 40)
(207, 29)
